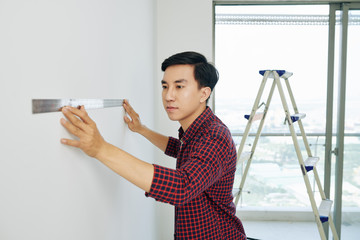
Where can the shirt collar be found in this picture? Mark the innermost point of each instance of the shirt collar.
(195, 125)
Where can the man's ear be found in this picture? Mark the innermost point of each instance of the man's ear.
(205, 91)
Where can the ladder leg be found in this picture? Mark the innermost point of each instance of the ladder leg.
(301, 127)
(247, 130)
(300, 158)
(323, 197)
(307, 146)
(264, 116)
(333, 228)
(253, 111)
(258, 133)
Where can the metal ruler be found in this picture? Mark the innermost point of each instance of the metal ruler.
(55, 105)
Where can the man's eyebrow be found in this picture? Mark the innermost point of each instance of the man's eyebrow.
(182, 80)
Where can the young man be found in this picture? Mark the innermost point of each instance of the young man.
(201, 186)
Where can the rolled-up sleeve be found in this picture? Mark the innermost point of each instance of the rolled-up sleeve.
(204, 166)
(172, 147)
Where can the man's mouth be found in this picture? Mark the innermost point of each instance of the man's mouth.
(170, 108)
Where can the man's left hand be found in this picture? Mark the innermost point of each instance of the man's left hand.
(82, 126)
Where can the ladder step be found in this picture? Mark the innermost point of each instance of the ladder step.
(235, 191)
(257, 116)
(310, 162)
(244, 157)
(282, 73)
(297, 116)
(324, 210)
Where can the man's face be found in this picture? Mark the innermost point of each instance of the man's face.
(182, 98)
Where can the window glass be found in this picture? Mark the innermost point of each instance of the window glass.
(291, 38)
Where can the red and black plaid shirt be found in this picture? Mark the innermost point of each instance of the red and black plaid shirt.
(201, 186)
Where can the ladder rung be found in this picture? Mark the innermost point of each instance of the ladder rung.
(324, 210)
(257, 116)
(244, 157)
(310, 162)
(282, 73)
(297, 116)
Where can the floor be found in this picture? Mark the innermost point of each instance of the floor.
(277, 230)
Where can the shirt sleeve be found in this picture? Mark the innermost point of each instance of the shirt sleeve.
(205, 166)
(172, 147)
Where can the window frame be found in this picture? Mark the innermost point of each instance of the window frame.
(329, 134)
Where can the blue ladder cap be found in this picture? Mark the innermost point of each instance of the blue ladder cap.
(309, 168)
(294, 118)
(324, 219)
(280, 72)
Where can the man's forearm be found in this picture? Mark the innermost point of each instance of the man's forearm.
(155, 138)
(134, 170)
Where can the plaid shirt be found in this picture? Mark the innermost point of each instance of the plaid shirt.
(201, 186)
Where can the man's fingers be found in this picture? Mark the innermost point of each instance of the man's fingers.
(71, 128)
(127, 120)
(80, 112)
(70, 142)
(73, 120)
(81, 125)
(82, 108)
(133, 121)
(73, 115)
(129, 109)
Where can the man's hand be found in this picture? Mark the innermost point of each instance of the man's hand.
(82, 126)
(134, 123)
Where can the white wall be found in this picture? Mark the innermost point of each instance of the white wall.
(72, 49)
(86, 49)
(181, 26)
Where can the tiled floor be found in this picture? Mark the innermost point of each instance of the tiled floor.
(276, 230)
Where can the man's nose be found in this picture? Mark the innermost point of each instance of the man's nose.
(170, 94)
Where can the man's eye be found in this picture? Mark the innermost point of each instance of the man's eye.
(164, 87)
(179, 86)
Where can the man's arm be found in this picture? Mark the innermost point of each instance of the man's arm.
(135, 125)
(205, 164)
(92, 143)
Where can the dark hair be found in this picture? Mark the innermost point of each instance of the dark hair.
(204, 72)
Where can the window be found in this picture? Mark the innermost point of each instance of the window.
(292, 38)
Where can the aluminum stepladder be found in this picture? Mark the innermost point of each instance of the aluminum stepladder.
(322, 214)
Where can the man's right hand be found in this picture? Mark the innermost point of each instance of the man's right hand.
(134, 123)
